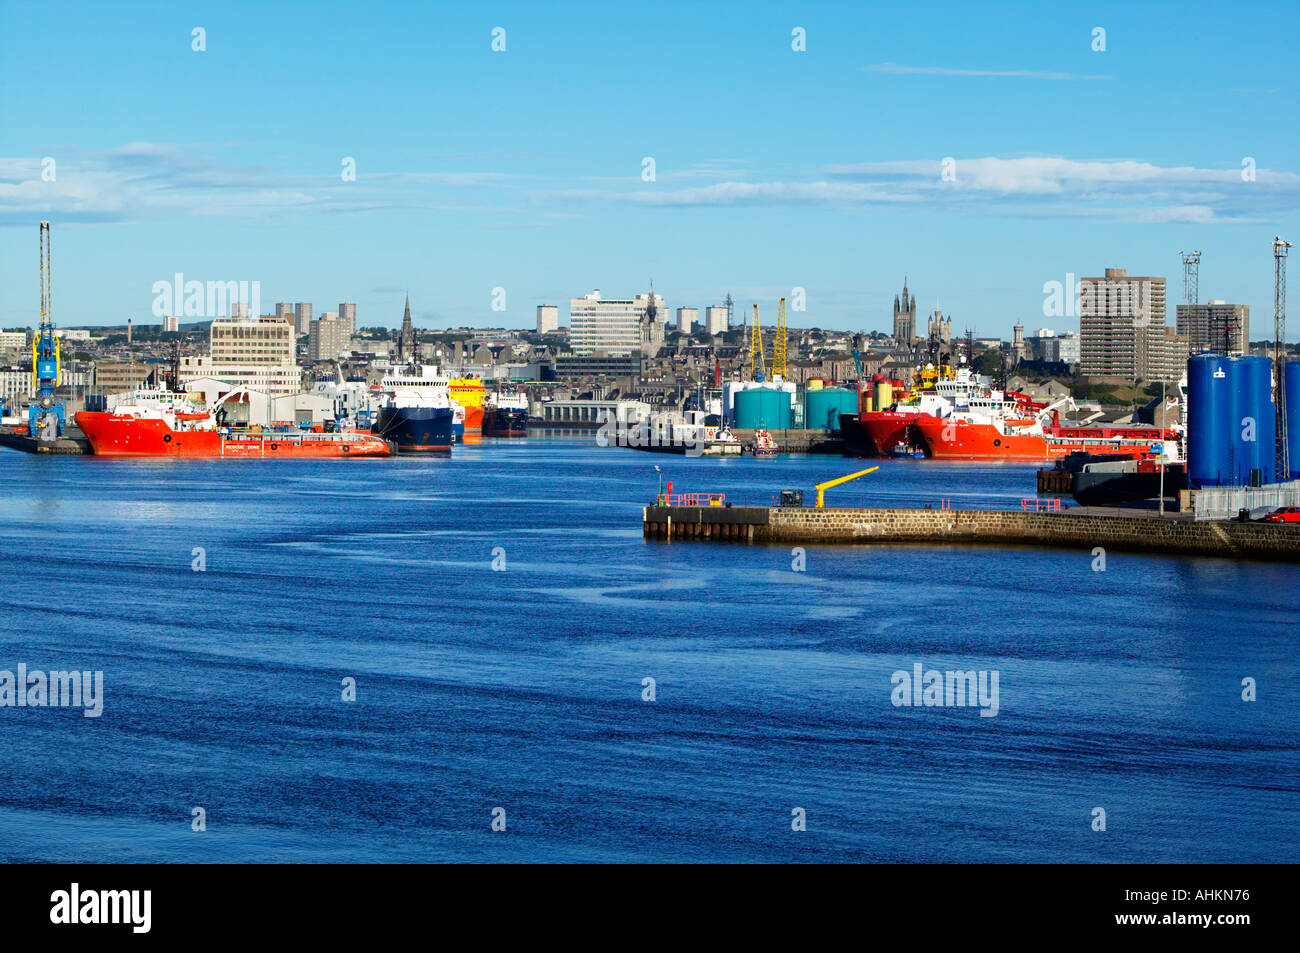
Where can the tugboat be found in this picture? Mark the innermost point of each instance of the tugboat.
(907, 452)
(764, 445)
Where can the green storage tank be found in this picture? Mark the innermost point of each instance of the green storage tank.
(826, 405)
(762, 408)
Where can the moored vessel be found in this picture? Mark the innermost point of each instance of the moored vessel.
(764, 445)
(470, 393)
(984, 436)
(165, 424)
(416, 414)
(505, 415)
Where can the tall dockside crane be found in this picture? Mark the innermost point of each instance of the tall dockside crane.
(778, 344)
(1280, 246)
(45, 414)
(757, 366)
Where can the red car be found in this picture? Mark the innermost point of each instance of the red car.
(1285, 514)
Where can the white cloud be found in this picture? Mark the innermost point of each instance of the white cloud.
(143, 181)
(1032, 187)
(898, 70)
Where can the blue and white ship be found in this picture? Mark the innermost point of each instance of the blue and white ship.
(416, 412)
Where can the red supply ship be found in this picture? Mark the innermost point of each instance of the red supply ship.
(163, 424)
(975, 436)
(890, 418)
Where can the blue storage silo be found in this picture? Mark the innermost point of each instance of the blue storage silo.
(1291, 401)
(1254, 424)
(826, 405)
(762, 408)
(1208, 412)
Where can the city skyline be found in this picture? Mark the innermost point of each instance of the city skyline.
(489, 176)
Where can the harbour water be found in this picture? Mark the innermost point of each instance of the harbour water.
(522, 687)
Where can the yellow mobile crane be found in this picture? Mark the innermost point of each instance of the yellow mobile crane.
(757, 367)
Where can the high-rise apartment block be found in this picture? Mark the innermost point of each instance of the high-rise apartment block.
(328, 337)
(1123, 331)
(1215, 326)
(348, 315)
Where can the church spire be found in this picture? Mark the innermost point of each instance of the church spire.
(406, 346)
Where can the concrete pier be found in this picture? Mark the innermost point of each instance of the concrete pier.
(799, 441)
(1080, 530)
(73, 442)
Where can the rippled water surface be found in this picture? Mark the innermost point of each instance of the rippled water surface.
(522, 689)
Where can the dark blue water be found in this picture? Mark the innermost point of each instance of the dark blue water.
(521, 689)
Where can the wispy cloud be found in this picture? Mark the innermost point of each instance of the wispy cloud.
(144, 181)
(149, 181)
(1029, 187)
(897, 69)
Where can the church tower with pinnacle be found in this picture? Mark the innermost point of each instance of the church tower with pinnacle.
(904, 318)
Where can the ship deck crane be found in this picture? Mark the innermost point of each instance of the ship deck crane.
(45, 414)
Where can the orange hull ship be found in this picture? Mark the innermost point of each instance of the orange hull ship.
(154, 435)
(949, 438)
(470, 393)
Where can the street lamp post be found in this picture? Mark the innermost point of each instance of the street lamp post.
(1164, 413)
(659, 500)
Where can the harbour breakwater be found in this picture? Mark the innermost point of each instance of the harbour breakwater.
(1134, 533)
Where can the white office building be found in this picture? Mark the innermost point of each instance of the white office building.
(256, 353)
(616, 326)
(548, 318)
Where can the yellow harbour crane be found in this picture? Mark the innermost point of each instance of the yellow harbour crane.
(778, 344)
(823, 487)
(757, 366)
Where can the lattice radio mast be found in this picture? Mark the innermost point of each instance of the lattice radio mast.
(1280, 247)
(1191, 291)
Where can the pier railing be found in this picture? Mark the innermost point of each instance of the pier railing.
(1225, 502)
(692, 499)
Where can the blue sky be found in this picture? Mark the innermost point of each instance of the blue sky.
(522, 169)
